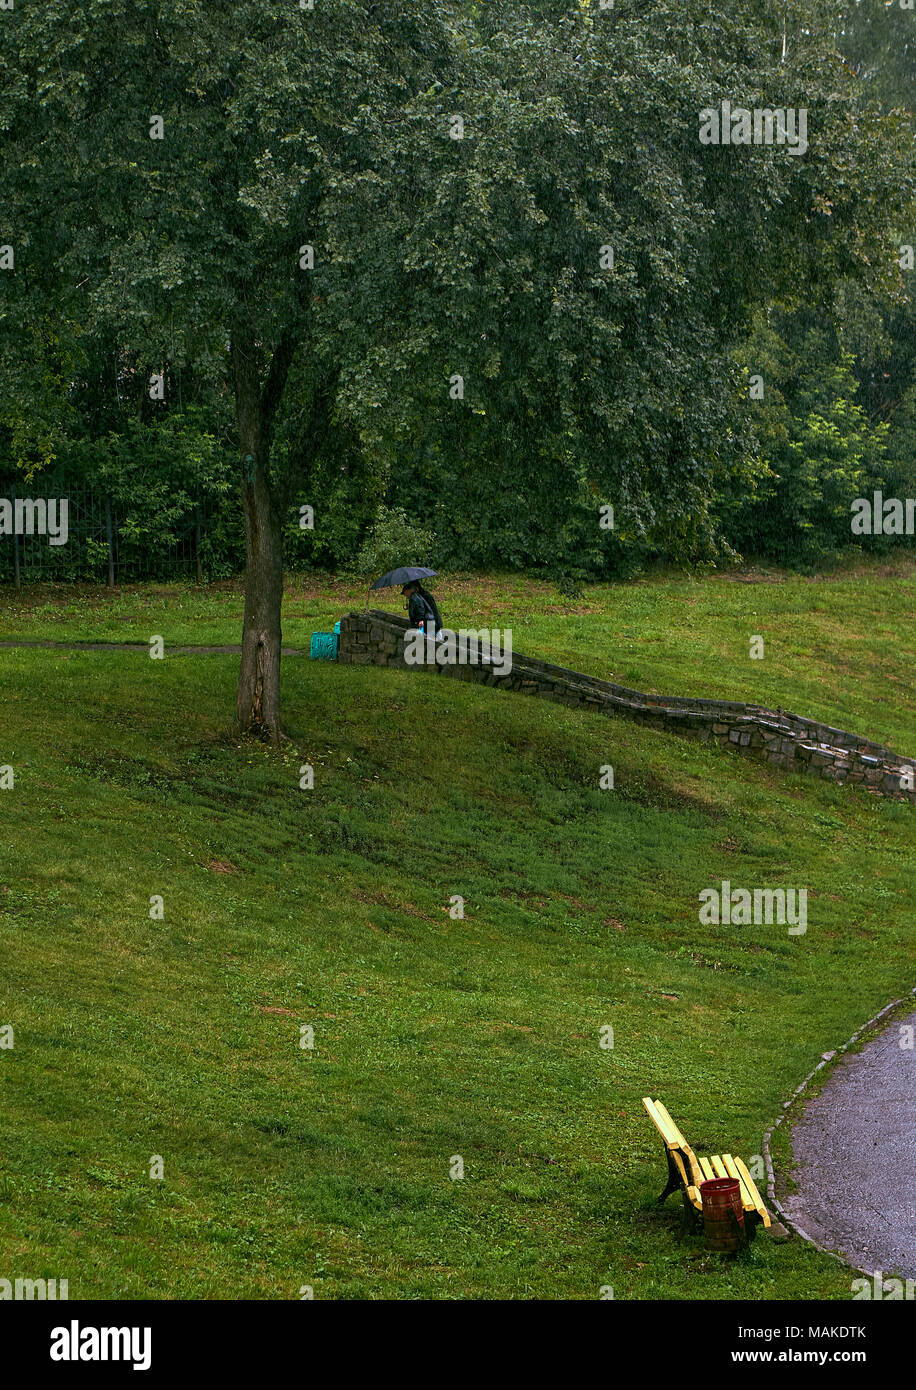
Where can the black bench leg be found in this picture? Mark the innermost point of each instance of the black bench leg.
(673, 1183)
(690, 1217)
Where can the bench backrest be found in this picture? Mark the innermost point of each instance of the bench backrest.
(675, 1142)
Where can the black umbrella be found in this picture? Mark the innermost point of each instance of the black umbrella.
(402, 576)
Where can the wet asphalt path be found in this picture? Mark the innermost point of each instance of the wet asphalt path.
(855, 1152)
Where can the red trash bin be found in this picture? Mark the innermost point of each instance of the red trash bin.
(723, 1213)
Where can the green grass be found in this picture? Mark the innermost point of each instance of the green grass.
(838, 647)
(434, 1037)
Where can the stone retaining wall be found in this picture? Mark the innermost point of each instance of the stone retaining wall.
(773, 736)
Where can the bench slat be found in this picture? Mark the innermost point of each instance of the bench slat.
(695, 1169)
(708, 1174)
(679, 1138)
(752, 1189)
(719, 1167)
(664, 1123)
(731, 1168)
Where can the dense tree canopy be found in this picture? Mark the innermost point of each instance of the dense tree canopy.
(474, 257)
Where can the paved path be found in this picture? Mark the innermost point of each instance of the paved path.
(855, 1152)
(140, 647)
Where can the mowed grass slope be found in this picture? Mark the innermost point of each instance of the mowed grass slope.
(433, 1037)
(838, 647)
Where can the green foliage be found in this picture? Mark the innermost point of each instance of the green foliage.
(818, 450)
(879, 39)
(900, 461)
(436, 256)
(157, 478)
(394, 540)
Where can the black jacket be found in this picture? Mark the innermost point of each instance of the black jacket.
(419, 611)
(433, 606)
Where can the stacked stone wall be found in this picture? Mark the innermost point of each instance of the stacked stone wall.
(777, 737)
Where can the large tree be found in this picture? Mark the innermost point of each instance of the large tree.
(229, 187)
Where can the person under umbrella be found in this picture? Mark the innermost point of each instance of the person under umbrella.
(422, 609)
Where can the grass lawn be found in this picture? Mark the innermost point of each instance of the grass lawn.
(838, 647)
(433, 1037)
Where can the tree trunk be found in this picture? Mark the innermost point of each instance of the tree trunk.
(258, 699)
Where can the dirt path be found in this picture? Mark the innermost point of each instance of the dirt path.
(140, 647)
(855, 1152)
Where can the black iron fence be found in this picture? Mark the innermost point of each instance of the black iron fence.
(107, 543)
(122, 539)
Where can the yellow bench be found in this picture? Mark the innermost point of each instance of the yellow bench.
(688, 1171)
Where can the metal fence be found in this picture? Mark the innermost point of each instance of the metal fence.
(99, 547)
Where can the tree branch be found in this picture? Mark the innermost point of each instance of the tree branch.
(277, 377)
